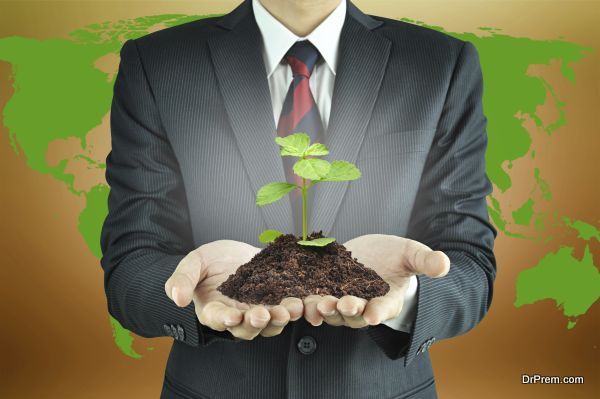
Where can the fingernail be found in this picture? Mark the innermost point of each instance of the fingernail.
(230, 323)
(353, 311)
(296, 308)
(278, 323)
(329, 313)
(175, 295)
(256, 323)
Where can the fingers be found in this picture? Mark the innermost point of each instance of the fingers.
(327, 307)
(289, 309)
(423, 260)
(351, 308)
(311, 314)
(182, 283)
(346, 311)
(247, 322)
(436, 264)
(294, 306)
(279, 319)
(219, 316)
(255, 320)
(382, 308)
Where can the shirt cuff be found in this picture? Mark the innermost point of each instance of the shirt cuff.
(405, 319)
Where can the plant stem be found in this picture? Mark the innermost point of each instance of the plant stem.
(304, 219)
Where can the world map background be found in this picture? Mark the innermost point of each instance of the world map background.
(57, 65)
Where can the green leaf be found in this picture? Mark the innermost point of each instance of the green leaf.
(312, 168)
(293, 144)
(317, 149)
(317, 242)
(272, 192)
(290, 152)
(268, 236)
(342, 171)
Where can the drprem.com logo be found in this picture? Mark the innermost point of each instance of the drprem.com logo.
(550, 379)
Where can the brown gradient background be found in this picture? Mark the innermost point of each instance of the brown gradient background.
(56, 340)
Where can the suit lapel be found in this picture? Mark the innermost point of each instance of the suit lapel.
(363, 57)
(242, 78)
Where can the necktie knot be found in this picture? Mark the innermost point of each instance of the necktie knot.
(302, 57)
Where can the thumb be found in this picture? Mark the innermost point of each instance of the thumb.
(424, 260)
(182, 283)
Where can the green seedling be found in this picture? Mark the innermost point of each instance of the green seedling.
(312, 170)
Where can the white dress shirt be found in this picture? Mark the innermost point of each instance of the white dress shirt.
(277, 40)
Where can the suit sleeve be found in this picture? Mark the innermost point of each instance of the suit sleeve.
(147, 231)
(450, 214)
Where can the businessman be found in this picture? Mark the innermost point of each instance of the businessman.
(195, 112)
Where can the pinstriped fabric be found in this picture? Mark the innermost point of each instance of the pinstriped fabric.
(134, 201)
(242, 80)
(190, 150)
(450, 212)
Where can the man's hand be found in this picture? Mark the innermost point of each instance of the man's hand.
(197, 277)
(395, 259)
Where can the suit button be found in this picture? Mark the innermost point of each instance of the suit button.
(181, 332)
(307, 345)
(426, 345)
(174, 332)
(167, 330)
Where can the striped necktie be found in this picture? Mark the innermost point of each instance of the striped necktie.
(300, 114)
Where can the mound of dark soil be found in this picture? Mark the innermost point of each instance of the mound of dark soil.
(286, 269)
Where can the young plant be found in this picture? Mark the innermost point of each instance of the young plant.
(312, 171)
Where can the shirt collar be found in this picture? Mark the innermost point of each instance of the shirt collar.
(278, 39)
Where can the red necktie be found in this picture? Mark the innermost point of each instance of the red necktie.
(300, 114)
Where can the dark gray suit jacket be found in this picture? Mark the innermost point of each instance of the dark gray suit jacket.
(193, 140)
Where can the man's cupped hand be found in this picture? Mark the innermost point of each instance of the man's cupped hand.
(197, 277)
(395, 259)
